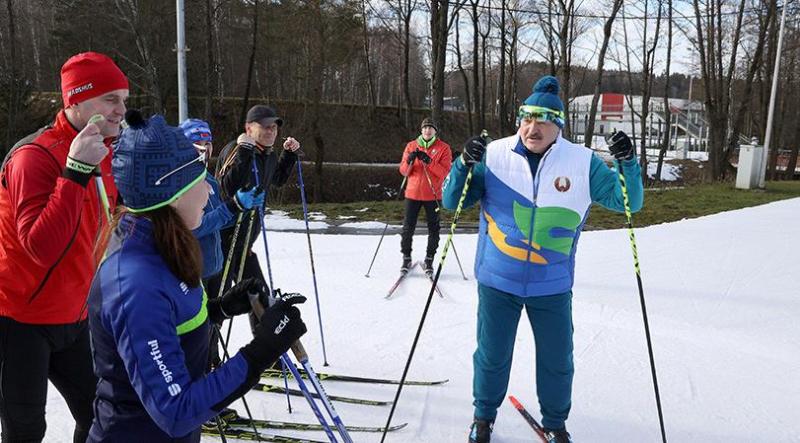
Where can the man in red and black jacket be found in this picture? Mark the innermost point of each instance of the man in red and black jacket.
(426, 162)
(51, 215)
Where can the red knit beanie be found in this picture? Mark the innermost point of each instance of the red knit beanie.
(88, 75)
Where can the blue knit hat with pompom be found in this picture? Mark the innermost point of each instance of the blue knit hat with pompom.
(545, 94)
(153, 163)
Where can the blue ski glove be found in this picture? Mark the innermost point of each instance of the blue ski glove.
(254, 198)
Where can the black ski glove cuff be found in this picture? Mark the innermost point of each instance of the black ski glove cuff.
(215, 312)
(260, 355)
(80, 178)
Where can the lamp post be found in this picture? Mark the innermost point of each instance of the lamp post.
(770, 115)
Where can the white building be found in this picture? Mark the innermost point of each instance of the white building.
(685, 120)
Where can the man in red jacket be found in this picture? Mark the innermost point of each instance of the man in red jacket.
(426, 162)
(50, 219)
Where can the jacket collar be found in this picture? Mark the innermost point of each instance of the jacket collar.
(520, 148)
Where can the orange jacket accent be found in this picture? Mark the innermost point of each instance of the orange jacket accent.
(417, 186)
(48, 225)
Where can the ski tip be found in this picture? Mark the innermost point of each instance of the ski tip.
(515, 402)
(398, 427)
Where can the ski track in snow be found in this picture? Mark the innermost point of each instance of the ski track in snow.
(722, 299)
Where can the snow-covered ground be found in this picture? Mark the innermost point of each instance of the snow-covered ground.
(722, 297)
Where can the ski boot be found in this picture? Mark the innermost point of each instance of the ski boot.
(406, 264)
(481, 431)
(427, 266)
(557, 435)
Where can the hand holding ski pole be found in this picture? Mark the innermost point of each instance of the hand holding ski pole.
(474, 149)
(291, 144)
(279, 327)
(236, 300)
(621, 146)
(87, 147)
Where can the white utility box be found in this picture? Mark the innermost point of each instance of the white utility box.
(749, 168)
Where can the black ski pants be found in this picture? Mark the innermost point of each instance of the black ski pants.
(410, 224)
(31, 354)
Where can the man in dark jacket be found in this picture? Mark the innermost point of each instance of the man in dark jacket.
(50, 216)
(252, 161)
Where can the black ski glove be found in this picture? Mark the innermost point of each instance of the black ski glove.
(620, 146)
(236, 300)
(278, 329)
(474, 149)
(424, 157)
(412, 156)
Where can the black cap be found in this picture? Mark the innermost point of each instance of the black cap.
(429, 122)
(263, 115)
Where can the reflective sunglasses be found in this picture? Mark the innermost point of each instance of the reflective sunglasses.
(540, 114)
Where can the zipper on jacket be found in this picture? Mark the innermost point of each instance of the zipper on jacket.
(60, 257)
(535, 178)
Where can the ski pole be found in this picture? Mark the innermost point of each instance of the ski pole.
(430, 297)
(302, 357)
(258, 310)
(438, 207)
(311, 256)
(641, 296)
(240, 271)
(400, 192)
(260, 211)
(98, 174)
(244, 401)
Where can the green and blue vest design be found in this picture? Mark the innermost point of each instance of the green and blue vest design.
(530, 223)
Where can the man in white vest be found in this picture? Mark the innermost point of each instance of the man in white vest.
(535, 189)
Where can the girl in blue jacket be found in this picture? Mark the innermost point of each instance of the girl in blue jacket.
(148, 313)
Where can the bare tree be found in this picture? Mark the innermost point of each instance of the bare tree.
(501, 87)
(647, 80)
(251, 63)
(316, 79)
(130, 12)
(601, 58)
(210, 60)
(667, 112)
(463, 76)
(484, 52)
(717, 40)
(477, 103)
(13, 74)
(441, 20)
(367, 64)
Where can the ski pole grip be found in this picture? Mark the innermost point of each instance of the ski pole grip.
(255, 303)
(258, 309)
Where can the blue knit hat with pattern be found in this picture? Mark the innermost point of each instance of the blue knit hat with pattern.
(145, 152)
(545, 94)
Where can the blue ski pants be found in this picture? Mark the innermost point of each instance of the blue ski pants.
(551, 321)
